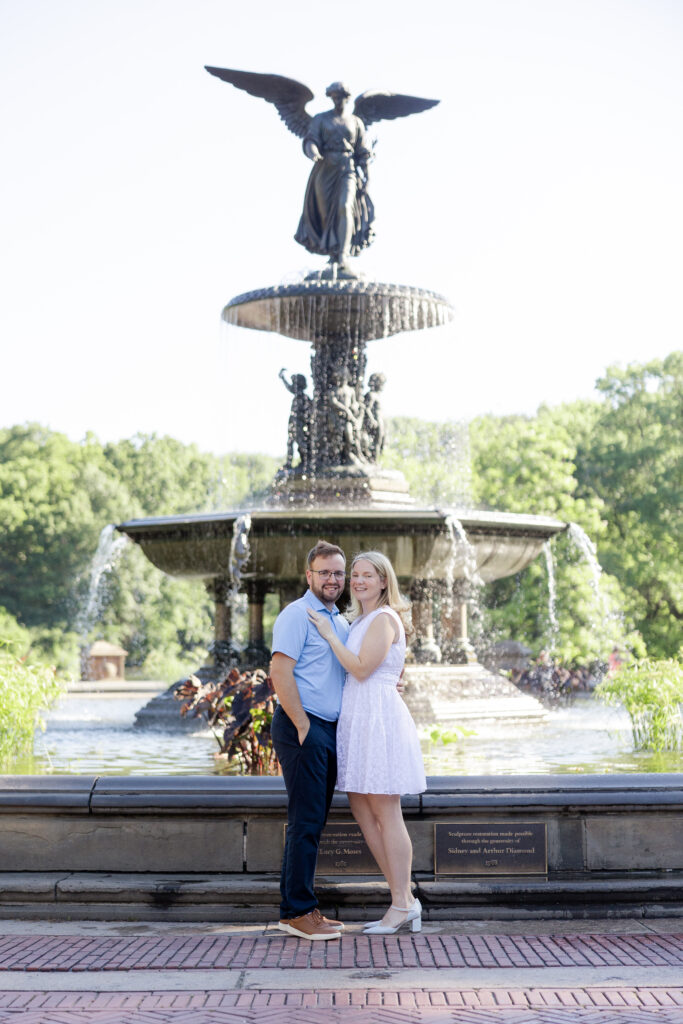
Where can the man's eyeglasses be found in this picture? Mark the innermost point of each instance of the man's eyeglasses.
(325, 574)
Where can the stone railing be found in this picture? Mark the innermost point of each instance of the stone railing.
(595, 823)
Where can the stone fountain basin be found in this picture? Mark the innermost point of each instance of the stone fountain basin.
(418, 541)
(315, 310)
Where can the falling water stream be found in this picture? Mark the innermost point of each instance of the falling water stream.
(109, 549)
(460, 542)
(553, 624)
(587, 549)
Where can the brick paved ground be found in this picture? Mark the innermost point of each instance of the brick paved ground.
(33, 955)
(483, 1006)
(197, 952)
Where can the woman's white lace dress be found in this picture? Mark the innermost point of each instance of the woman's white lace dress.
(378, 750)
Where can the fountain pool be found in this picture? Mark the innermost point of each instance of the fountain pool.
(89, 735)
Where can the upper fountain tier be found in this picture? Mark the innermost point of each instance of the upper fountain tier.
(347, 309)
(339, 430)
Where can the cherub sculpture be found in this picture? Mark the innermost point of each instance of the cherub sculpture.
(299, 426)
(338, 212)
(373, 421)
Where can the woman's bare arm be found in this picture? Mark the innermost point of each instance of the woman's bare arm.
(374, 649)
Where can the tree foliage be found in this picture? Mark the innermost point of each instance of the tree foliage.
(613, 466)
(633, 461)
(56, 496)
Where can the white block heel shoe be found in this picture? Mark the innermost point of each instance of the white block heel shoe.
(413, 917)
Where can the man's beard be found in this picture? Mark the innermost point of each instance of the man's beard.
(327, 592)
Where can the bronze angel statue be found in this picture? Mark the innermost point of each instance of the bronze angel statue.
(338, 213)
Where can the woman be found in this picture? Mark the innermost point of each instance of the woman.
(378, 750)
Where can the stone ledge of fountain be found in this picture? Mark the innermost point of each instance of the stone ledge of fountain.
(133, 846)
(151, 896)
(117, 687)
(90, 792)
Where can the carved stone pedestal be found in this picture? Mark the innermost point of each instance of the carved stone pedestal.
(343, 486)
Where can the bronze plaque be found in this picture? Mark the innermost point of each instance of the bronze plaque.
(490, 848)
(343, 851)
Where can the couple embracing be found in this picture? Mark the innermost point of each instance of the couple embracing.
(341, 721)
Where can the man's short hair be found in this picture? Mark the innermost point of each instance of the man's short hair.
(323, 549)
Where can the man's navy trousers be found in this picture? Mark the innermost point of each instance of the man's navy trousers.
(310, 773)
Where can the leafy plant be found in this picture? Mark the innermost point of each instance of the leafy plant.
(25, 691)
(239, 709)
(652, 693)
(457, 733)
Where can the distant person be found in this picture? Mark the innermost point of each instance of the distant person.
(378, 748)
(614, 661)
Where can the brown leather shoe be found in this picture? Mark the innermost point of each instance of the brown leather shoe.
(310, 926)
(339, 925)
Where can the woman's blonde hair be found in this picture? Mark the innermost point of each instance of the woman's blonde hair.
(391, 595)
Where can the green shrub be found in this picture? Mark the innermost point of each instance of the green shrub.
(58, 647)
(652, 692)
(13, 633)
(25, 691)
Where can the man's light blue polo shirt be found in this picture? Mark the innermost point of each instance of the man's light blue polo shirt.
(319, 676)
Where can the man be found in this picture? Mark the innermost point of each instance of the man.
(308, 681)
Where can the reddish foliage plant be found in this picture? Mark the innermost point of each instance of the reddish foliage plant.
(239, 710)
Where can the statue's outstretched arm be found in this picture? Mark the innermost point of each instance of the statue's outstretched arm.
(385, 106)
(287, 383)
(288, 96)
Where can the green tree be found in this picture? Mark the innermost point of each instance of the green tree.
(167, 477)
(528, 465)
(55, 496)
(633, 462)
(434, 458)
(524, 465)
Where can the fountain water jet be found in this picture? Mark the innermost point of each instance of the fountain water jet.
(552, 596)
(588, 551)
(109, 548)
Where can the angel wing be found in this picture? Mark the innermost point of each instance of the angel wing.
(385, 106)
(288, 96)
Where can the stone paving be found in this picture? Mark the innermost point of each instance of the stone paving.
(502, 1006)
(63, 974)
(195, 952)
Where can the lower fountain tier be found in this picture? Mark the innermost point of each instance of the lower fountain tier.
(450, 695)
(443, 695)
(420, 542)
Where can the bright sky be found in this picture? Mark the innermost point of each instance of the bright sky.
(139, 194)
